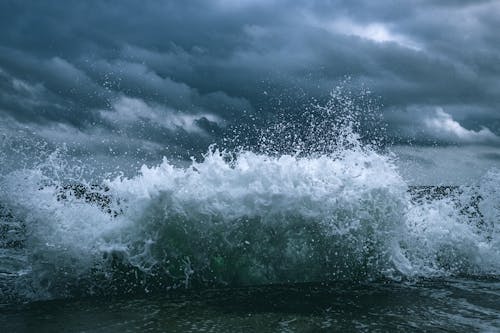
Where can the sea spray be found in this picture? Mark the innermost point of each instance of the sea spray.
(281, 219)
(247, 220)
(322, 206)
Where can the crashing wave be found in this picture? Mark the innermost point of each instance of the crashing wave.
(310, 205)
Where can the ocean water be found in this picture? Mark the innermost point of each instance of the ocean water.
(451, 305)
(249, 240)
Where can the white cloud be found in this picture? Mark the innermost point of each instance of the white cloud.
(375, 32)
(241, 4)
(128, 111)
(444, 126)
(27, 88)
(28, 95)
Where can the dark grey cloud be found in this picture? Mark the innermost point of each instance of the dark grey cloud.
(180, 74)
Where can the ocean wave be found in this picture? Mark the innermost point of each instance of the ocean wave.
(312, 203)
(240, 219)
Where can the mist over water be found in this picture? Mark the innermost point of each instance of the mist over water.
(304, 200)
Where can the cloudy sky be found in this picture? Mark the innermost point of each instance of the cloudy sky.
(170, 77)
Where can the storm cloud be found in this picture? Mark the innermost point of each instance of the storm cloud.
(178, 74)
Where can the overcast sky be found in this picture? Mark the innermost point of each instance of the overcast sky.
(168, 76)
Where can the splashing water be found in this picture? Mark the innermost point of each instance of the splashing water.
(328, 209)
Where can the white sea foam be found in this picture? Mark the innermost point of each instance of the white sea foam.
(342, 213)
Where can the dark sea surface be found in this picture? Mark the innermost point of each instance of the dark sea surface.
(447, 305)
